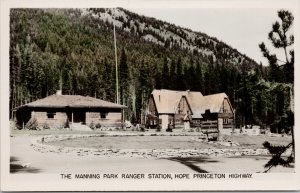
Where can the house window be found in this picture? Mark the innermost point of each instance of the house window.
(50, 115)
(225, 121)
(103, 115)
(151, 122)
(154, 122)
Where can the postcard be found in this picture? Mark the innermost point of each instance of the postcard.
(149, 95)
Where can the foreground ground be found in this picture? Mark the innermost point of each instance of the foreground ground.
(23, 153)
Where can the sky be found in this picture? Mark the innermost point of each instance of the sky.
(243, 29)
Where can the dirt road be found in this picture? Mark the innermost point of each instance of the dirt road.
(23, 153)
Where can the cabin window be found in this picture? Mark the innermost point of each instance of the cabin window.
(50, 115)
(180, 110)
(103, 115)
(154, 122)
(151, 122)
(225, 121)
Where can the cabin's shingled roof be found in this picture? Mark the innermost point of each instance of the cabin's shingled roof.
(213, 103)
(75, 101)
(167, 101)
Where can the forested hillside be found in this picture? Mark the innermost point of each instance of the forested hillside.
(74, 49)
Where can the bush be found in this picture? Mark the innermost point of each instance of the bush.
(98, 126)
(92, 125)
(13, 125)
(46, 126)
(142, 128)
(191, 130)
(32, 124)
(169, 130)
(158, 129)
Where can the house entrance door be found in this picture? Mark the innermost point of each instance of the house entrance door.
(79, 117)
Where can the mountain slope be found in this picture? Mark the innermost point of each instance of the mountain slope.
(169, 35)
(73, 49)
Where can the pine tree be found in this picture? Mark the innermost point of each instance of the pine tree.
(281, 39)
(165, 75)
(199, 77)
(179, 78)
(157, 77)
(123, 77)
(173, 75)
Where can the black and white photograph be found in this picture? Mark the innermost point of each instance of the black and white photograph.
(176, 94)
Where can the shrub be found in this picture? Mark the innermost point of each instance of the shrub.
(191, 130)
(169, 130)
(158, 129)
(13, 125)
(46, 126)
(142, 128)
(98, 126)
(92, 125)
(32, 124)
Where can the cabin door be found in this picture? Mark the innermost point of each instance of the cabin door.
(79, 117)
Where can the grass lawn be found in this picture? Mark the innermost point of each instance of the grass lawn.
(166, 142)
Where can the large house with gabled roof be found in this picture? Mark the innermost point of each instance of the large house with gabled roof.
(184, 109)
(55, 110)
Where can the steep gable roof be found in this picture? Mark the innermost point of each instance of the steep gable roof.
(209, 102)
(167, 101)
(62, 101)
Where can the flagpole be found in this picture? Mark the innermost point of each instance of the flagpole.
(117, 79)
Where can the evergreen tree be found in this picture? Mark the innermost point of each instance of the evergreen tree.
(157, 77)
(173, 75)
(165, 75)
(199, 78)
(280, 38)
(192, 76)
(179, 78)
(123, 77)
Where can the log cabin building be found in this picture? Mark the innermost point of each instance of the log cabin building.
(185, 109)
(55, 110)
